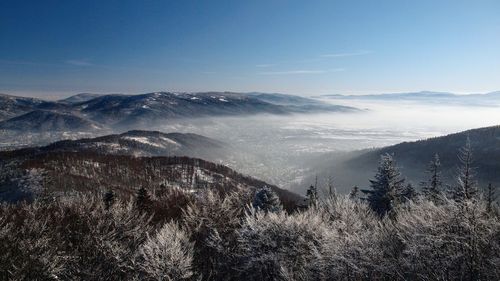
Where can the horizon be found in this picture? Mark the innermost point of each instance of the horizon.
(290, 47)
(67, 95)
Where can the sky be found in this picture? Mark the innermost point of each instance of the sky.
(59, 48)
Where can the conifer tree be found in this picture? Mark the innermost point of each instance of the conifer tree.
(432, 189)
(490, 197)
(466, 188)
(387, 187)
(266, 200)
(142, 199)
(354, 192)
(409, 193)
(109, 198)
(312, 195)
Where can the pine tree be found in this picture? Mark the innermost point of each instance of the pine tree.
(387, 187)
(409, 193)
(490, 198)
(312, 195)
(142, 199)
(466, 188)
(354, 192)
(266, 200)
(432, 189)
(109, 198)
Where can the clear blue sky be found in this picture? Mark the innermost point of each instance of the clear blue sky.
(50, 48)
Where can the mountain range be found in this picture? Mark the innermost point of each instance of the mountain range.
(427, 96)
(120, 111)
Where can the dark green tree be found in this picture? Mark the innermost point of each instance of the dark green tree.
(142, 199)
(466, 187)
(109, 199)
(265, 199)
(386, 188)
(432, 189)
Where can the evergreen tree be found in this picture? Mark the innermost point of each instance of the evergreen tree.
(387, 187)
(312, 196)
(109, 198)
(409, 193)
(466, 188)
(142, 199)
(490, 198)
(354, 192)
(266, 200)
(432, 189)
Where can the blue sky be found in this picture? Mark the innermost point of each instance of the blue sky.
(57, 48)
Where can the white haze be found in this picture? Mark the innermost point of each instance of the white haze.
(279, 148)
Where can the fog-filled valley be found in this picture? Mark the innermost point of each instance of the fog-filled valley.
(291, 150)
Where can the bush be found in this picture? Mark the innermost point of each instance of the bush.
(168, 255)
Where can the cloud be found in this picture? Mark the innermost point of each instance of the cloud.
(351, 54)
(79, 62)
(291, 72)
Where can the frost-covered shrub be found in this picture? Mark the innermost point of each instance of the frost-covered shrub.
(168, 255)
(351, 248)
(102, 243)
(28, 246)
(278, 246)
(449, 241)
(212, 221)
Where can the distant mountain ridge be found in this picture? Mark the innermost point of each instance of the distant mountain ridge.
(45, 120)
(425, 96)
(121, 111)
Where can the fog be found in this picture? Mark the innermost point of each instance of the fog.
(280, 149)
(288, 150)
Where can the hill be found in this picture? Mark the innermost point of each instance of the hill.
(79, 98)
(12, 106)
(143, 143)
(44, 120)
(25, 175)
(413, 157)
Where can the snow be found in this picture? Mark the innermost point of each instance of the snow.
(169, 140)
(144, 140)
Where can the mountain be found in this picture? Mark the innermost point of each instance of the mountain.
(24, 175)
(44, 120)
(11, 106)
(300, 104)
(147, 109)
(79, 98)
(413, 158)
(427, 96)
(142, 143)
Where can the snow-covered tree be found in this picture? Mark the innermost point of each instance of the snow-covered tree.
(278, 246)
(409, 193)
(387, 186)
(266, 200)
(490, 198)
(168, 255)
(466, 187)
(432, 188)
(354, 192)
